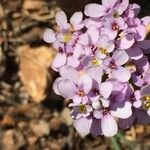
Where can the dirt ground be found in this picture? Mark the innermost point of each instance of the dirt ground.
(32, 117)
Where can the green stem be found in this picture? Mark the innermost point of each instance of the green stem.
(128, 143)
(115, 143)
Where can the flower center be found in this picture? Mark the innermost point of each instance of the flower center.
(115, 14)
(81, 93)
(115, 26)
(105, 111)
(147, 101)
(146, 98)
(95, 62)
(112, 65)
(103, 50)
(95, 92)
(82, 109)
(67, 37)
(60, 50)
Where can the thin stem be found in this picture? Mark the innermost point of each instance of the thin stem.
(115, 143)
(128, 143)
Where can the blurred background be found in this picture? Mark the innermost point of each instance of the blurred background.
(32, 117)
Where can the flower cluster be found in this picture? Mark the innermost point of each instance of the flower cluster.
(103, 64)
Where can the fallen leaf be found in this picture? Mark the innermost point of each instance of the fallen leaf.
(33, 71)
(33, 4)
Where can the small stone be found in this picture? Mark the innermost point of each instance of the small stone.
(12, 140)
(66, 115)
(55, 123)
(40, 128)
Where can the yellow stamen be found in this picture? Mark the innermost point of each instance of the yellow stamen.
(147, 105)
(67, 37)
(115, 14)
(146, 98)
(95, 62)
(103, 50)
(82, 109)
(146, 102)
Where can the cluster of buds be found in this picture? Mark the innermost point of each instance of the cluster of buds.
(103, 66)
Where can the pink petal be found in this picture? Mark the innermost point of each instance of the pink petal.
(126, 42)
(84, 39)
(134, 53)
(76, 18)
(49, 36)
(98, 114)
(146, 20)
(145, 90)
(126, 123)
(94, 10)
(61, 19)
(96, 127)
(145, 45)
(123, 6)
(73, 61)
(107, 3)
(106, 89)
(122, 74)
(94, 33)
(123, 112)
(86, 82)
(142, 117)
(141, 30)
(137, 104)
(55, 85)
(77, 99)
(83, 126)
(78, 50)
(66, 88)
(109, 125)
(68, 72)
(95, 73)
(97, 22)
(59, 61)
(120, 57)
(112, 34)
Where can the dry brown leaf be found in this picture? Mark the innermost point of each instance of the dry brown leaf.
(7, 121)
(33, 4)
(33, 69)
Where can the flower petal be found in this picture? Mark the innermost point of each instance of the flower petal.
(66, 88)
(76, 18)
(106, 89)
(68, 72)
(126, 123)
(107, 3)
(85, 82)
(109, 125)
(120, 57)
(61, 19)
(94, 33)
(94, 10)
(55, 85)
(96, 127)
(83, 126)
(126, 42)
(84, 39)
(122, 74)
(134, 53)
(123, 112)
(145, 90)
(49, 36)
(59, 61)
(146, 20)
(95, 73)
